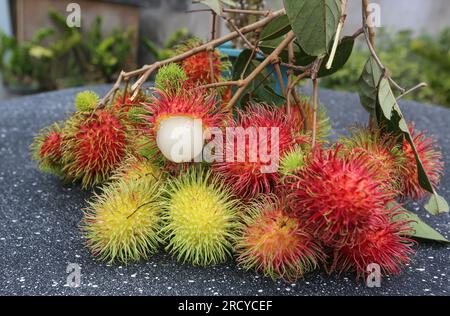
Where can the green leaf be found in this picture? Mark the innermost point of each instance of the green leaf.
(368, 85)
(276, 28)
(216, 5)
(343, 53)
(314, 22)
(436, 205)
(392, 113)
(421, 229)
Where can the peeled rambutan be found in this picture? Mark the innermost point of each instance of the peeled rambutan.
(246, 171)
(431, 158)
(201, 221)
(379, 150)
(95, 146)
(123, 222)
(338, 196)
(275, 243)
(198, 67)
(179, 122)
(387, 245)
(47, 149)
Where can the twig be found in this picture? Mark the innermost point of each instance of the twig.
(277, 68)
(418, 86)
(271, 58)
(242, 11)
(220, 84)
(315, 106)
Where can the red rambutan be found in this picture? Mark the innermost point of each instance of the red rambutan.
(338, 196)
(246, 170)
(95, 145)
(276, 244)
(388, 245)
(198, 67)
(379, 150)
(431, 158)
(46, 149)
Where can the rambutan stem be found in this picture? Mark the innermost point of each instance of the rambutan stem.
(315, 105)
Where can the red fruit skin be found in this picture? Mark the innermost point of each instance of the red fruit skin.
(198, 67)
(51, 146)
(245, 177)
(97, 147)
(387, 245)
(431, 158)
(277, 244)
(338, 197)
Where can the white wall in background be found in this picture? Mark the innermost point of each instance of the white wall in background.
(5, 20)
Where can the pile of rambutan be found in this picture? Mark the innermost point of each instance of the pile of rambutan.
(269, 199)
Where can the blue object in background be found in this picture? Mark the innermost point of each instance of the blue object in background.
(233, 53)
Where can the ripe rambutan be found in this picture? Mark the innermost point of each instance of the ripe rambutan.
(201, 221)
(86, 101)
(275, 243)
(179, 122)
(122, 223)
(379, 150)
(387, 245)
(198, 67)
(47, 149)
(95, 146)
(245, 172)
(338, 196)
(431, 158)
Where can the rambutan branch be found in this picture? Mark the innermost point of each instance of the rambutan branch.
(243, 11)
(145, 71)
(273, 57)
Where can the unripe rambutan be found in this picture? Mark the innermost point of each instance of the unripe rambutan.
(431, 158)
(379, 150)
(292, 161)
(338, 196)
(245, 172)
(170, 78)
(201, 221)
(275, 243)
(387, 245)
(134, 168)
(95, 145)
(122, 223)
(86, 101)
(179, 120)
(47, 149)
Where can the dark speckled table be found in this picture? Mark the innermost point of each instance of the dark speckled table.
(39, 216)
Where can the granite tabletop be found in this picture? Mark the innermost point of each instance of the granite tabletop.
(39, 236)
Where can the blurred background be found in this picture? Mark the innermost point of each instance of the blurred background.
(40, 52)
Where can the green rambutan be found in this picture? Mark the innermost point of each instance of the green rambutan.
(86, 101)
(47, 149)
(292, 161)
(135, 168)
(96, 144)
(201, 218)
(122, 223)
(170, 78)
(275, 243)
